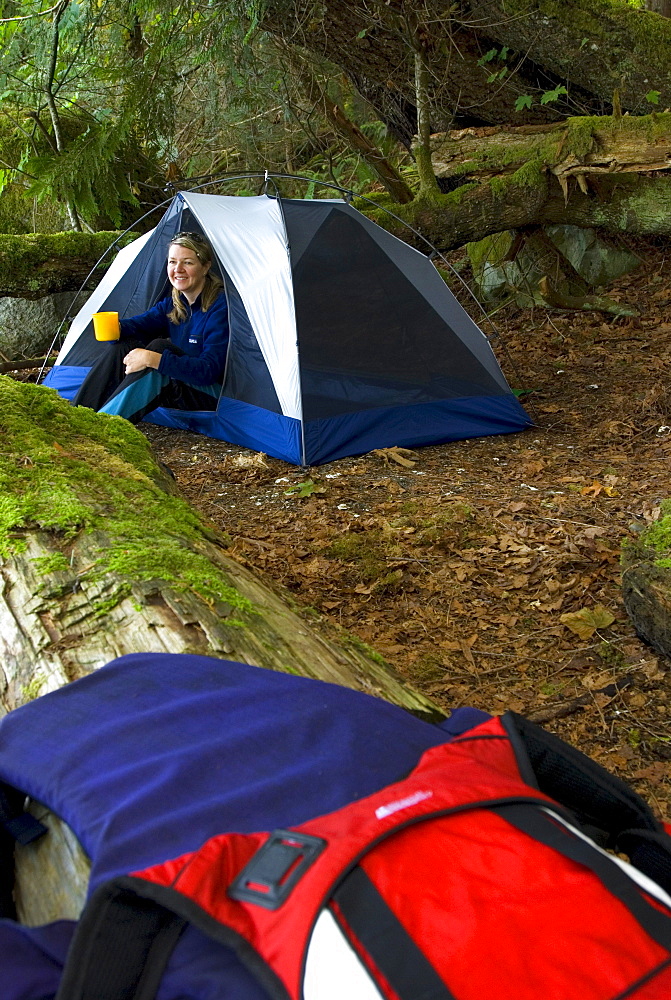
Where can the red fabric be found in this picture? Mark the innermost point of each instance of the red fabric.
(487, 904)
(473, 886)
(658, 988)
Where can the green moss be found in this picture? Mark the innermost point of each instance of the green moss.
(611, 655)
(367, 550)
(633, 44)
(33, 262)
(491, 250)
(580, 136)
(657, 536)
(410, 212)
(363, 647)
(67, 469)
(57, 562)
(32, 690)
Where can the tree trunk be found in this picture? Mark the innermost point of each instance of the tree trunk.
(80, 496)
(352, 134)
(57, 626)
(579, 148)
(35, 265)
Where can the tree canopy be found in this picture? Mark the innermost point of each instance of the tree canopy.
(470, 118)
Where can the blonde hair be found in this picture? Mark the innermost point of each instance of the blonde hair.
(213, 285)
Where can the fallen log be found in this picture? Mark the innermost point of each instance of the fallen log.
(100, 557)
(646, 582)
(39, 264)
(581, 148)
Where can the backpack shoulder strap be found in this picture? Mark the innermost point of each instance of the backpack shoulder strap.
(16, 827)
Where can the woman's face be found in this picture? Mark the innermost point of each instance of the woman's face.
(185, 272)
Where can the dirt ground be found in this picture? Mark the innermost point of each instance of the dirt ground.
(463, 563)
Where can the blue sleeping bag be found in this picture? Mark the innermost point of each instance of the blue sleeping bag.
(153, 754)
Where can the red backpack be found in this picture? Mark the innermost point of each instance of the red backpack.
(493, 870)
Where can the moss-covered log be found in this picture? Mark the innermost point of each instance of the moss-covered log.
(35, 265)
(605, 173)
(586, 147)
(99, 557)
(646, 582)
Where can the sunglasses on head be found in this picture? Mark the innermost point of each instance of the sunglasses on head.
(196, 237)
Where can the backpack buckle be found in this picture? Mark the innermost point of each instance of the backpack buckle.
(273, 871)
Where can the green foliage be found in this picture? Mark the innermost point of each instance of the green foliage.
(66, 470)
(92, 172)
(548, 97)
(553, 95)
(652, 97)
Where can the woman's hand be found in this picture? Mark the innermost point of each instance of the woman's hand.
(139, 359)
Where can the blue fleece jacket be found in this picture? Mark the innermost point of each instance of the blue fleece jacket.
(203, 336)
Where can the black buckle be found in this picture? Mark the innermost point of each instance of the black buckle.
(271, 874)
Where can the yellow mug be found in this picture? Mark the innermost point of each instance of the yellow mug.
(106, 325)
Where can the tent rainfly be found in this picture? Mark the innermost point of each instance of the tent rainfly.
(342, 337)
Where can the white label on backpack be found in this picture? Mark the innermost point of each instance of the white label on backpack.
(393, 807)
(333, 969)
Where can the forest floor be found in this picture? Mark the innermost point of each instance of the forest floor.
(460, 568)
(463, 564)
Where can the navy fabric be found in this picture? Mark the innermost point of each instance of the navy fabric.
(411, 426)
(386, 354)
(143, 284)
(243, 424)
(155, 753)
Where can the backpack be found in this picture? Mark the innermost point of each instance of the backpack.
(395, 864)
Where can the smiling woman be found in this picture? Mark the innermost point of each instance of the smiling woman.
(174, 354)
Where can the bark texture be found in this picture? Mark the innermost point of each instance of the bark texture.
(646, 588)
(605, 173)
(35, 265)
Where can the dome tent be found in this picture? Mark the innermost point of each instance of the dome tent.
(342, 337)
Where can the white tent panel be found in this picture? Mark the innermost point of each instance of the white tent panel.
(249, 239)
(96, 300)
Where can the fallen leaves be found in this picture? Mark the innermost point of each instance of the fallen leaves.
(585, 622)
(597, 488)
(402, 456)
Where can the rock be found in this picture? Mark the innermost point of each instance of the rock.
(28, 326)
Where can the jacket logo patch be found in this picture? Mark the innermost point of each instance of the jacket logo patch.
(393, 807)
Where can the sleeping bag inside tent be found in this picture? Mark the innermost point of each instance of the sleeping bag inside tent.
(342, 337)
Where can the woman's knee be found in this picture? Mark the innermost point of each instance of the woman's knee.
(161, 344)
